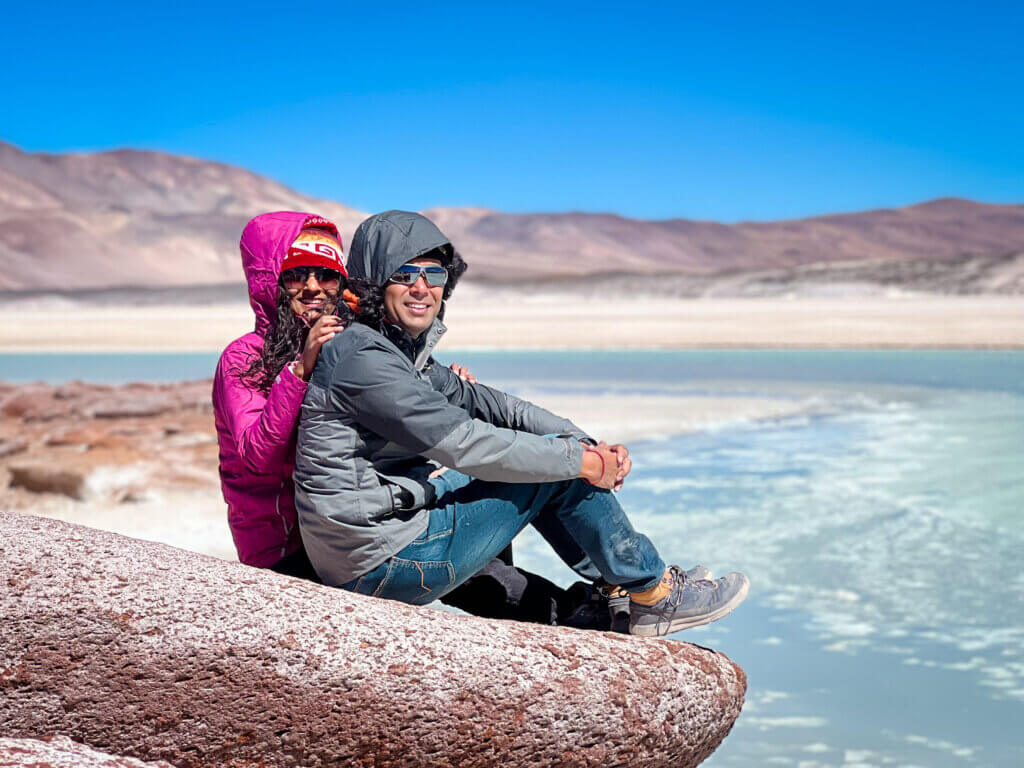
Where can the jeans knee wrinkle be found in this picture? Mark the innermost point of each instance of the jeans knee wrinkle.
(622, 545)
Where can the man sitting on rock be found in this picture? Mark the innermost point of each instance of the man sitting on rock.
(379, 418)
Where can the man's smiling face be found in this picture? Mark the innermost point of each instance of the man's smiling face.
(415, 306)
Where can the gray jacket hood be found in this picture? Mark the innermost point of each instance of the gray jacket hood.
(386, 241)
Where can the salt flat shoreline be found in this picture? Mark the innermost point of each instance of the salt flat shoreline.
(506, 321)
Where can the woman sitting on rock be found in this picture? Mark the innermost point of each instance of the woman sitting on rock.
(293, 265)
(295, 271)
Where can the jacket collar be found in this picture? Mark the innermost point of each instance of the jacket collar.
(417, 350)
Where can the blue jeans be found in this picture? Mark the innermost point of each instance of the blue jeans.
(471, 521)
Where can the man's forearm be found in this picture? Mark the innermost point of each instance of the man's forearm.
(527, 417)
(504, 455)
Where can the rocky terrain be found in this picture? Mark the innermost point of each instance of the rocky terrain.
(146, 227)
(104, 445)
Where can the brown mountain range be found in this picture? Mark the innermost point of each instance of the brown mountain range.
(155, 220)
(132, 218)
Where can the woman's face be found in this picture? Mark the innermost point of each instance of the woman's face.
(313, 291)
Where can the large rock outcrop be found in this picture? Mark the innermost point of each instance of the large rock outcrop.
(140, 649)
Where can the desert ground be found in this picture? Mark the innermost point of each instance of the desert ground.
(479, 318)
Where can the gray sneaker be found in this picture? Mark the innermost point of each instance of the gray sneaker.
(698, 573)
(618, 599)
(691, 603)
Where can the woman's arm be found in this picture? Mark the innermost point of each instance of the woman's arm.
(261, 425)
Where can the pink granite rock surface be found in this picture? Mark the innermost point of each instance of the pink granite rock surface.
(140, 649)
(62, 752)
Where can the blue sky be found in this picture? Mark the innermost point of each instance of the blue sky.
(738, 111)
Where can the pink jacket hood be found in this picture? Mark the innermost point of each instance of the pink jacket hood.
(264, 244)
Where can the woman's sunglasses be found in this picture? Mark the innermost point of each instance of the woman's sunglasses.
(300, 275)
(408, 274)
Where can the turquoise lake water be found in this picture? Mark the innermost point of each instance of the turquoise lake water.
(882, 527)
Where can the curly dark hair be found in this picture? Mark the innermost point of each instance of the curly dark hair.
(287, 334)
(371, 297)
(452, 261)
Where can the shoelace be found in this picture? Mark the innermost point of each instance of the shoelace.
(678, 578)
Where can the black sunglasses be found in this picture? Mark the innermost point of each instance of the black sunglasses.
(300, 275)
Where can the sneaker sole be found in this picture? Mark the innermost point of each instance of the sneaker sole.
(652, 630)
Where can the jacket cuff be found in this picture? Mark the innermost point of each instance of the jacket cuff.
(576, 451)
(290, 368)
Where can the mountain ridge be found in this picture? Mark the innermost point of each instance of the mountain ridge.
(150, 219)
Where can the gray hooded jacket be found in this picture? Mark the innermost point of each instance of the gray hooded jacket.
(379, 416)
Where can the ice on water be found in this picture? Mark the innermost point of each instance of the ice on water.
(878, 521)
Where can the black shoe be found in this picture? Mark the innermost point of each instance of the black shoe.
(584, 606)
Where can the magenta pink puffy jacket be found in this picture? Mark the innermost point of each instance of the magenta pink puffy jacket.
(256, 432)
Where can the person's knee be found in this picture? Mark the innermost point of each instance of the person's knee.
(583, 490)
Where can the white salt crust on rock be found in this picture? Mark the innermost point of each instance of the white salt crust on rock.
(140, 649)
(62, 752)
